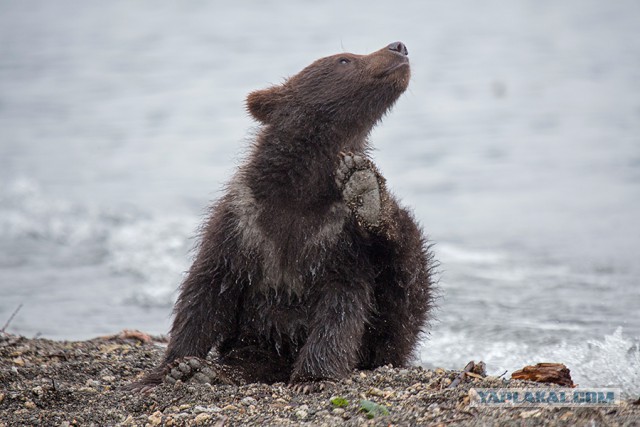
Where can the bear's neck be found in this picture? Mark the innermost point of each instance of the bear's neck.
(299, 169)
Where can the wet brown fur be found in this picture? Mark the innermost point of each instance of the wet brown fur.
(286, 285)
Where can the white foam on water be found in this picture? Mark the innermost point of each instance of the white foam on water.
(612, 361)
(150, 251)
(154, 252)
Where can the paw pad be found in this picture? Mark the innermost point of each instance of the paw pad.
(362, 188)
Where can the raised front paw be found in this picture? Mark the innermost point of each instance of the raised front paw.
(363, 189)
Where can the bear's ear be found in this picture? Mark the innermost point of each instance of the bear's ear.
(261, 103)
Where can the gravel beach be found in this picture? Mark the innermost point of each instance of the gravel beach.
(62, 383)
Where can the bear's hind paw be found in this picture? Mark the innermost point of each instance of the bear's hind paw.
(196, 369)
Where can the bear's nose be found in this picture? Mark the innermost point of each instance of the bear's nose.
(399, 47)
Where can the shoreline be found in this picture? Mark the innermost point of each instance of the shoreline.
(64, 383)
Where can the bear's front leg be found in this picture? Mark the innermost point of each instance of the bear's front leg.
(337, 325)
(364, 191)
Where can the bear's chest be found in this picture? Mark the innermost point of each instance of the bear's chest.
(291, 246)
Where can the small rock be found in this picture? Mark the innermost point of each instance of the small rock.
(206, 409)
(301, 414)
(202, 418)
(529, 414)
(337, 411)
(29, 405)
(2, 395)
(248, 401)
(375, 392)
(38, 391)
(92, 383)
(439, 371)
(566, 416)
(229, 408)
(155, 418)
(108, 378)
(19, 361)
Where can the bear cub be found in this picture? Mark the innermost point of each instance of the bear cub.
(307, 267)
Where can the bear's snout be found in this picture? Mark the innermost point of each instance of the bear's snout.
(399, 47)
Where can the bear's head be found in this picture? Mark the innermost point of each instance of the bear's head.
(344, 92)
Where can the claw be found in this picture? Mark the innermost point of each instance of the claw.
(308, 387)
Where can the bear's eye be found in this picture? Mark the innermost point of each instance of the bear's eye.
(343, 61)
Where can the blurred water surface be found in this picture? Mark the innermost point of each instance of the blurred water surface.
(517, 146)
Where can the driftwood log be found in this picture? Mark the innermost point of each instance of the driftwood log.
(556, 373)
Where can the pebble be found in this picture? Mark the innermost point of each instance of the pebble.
(92, 383)
(301, 414)
(202, 418)
(155, 418)
(374, 391)
(204, 409)
(29, 405)
(528, 414)
(248, 401)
